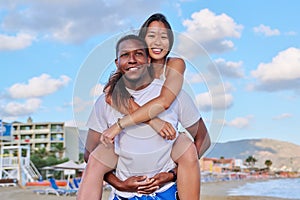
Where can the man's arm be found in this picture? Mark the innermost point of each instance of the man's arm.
(201, 136)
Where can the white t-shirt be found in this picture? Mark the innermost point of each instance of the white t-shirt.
(141, 150)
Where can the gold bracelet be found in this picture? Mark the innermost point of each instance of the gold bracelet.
(119, 124)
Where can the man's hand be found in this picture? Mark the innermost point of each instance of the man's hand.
(139, 184)
(108, 136)
(155, 182)
(133, 183)
(165, 129)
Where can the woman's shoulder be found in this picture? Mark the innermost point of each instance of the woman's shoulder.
(174, 59)
(175, 62)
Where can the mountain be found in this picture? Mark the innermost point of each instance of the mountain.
(284, 155)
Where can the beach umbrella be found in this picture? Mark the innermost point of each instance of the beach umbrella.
(69, 168)
(82, 166)
(67, 165)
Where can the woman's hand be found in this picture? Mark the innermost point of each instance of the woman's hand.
(165, 129)
(108, 136)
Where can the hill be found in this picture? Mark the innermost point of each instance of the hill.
(284, 155)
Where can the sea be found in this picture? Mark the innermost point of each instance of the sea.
(288, 188)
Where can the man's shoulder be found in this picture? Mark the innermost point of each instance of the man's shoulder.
(157, 83)
(101, 99)
(184, 98)
(156, 80)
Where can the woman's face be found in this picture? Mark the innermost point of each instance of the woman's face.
(157, 40)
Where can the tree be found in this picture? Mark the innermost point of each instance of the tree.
(222, 159)
(42, 158)
(42, 153)
(251, 161)
(268, 163)
(81, 157)
(59, 147)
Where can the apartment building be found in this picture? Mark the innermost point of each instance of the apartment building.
(44, 135)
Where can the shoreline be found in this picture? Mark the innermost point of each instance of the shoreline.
(209, 191)
(219, 191)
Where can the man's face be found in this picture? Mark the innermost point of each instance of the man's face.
(132, 60)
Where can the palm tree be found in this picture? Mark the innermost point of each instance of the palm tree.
(268, 163)
(251, 161)
(59, 147)
(42, 153)
(222, 159)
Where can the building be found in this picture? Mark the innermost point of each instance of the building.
(217, 165)
(44, 135)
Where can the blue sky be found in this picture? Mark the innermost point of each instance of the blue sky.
(55, 57)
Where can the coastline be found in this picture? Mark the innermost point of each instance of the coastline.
(219, 191)
(209, 191)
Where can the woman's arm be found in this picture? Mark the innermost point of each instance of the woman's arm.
(169, 91)
(165, 129)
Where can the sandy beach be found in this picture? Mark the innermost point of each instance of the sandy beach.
(209, 191)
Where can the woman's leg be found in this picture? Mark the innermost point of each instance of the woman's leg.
(101, 160)
(184, 153)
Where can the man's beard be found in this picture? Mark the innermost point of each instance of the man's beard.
(136, 82)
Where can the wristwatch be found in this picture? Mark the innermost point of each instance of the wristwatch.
(174, 175)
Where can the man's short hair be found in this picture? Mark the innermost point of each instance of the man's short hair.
(132, 37)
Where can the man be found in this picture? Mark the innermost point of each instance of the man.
(142, 152)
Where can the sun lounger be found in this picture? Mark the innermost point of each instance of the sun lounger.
(54, 189)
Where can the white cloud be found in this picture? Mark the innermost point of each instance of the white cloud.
(211, 31)
(282, 116)
(97, 90)
(216, 98)
(240, 122)
(74, 21)
(282, 73)
(38, 86)
(20, 41)
(193, 77)
(81, 105)
(229, 69)
(266, 30)
(178, 8)
(18, 109)
(73, 123)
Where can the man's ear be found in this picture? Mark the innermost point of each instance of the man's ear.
(149, 60)
(116, 62)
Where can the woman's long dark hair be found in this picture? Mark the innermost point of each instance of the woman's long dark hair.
(160, 18)
(115, 87)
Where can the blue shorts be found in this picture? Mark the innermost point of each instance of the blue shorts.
(169, 194)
